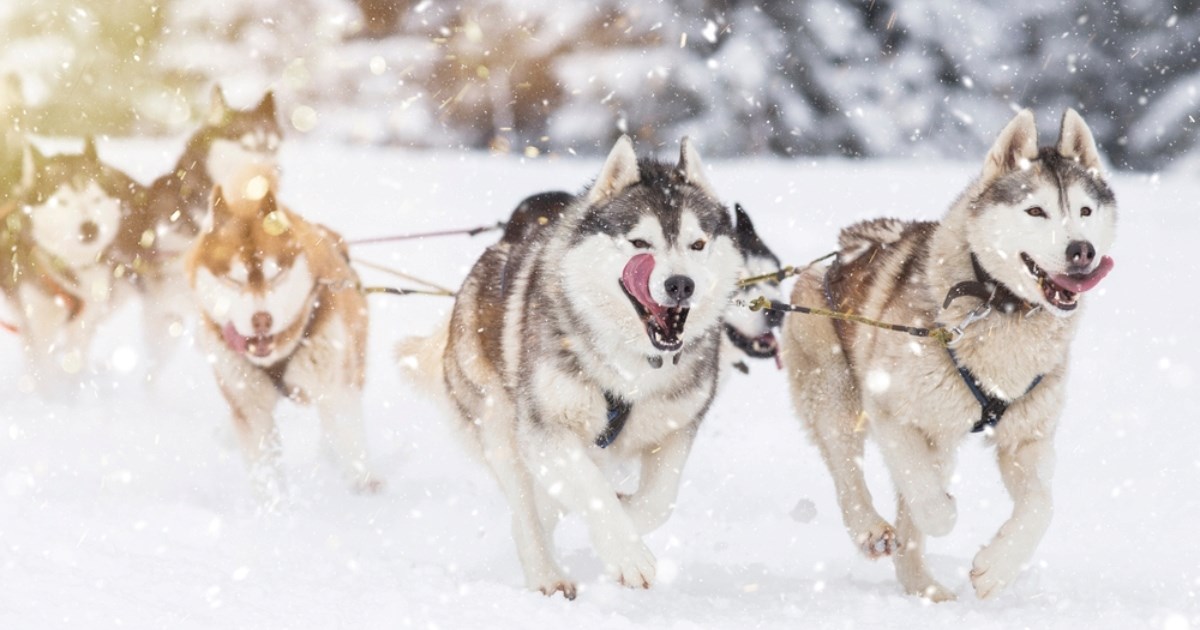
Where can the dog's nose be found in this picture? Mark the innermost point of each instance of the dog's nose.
(680, 288)
(774, 318)
(88, 231)
(1080, 254)
(261, 322)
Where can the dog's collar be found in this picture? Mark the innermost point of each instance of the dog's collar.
(617, 414)
(990, 290)
(992, 408)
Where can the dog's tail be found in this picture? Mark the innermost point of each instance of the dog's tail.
(420, 360)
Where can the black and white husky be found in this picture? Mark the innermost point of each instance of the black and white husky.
(230, 143)
(1008, 266)
(595, 338)
(64, 247)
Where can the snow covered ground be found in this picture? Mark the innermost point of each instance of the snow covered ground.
(130, 508)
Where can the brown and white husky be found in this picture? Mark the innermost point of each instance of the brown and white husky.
(230, 142)
(282, 316)
(1008, 265)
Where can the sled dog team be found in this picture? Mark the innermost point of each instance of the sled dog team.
(599, 328)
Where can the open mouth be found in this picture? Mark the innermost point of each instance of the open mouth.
(664, 324)
(260, 346)
(763, 346)
(1062, 290)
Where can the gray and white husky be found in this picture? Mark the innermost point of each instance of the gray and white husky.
(1008, 265)
(595, 339)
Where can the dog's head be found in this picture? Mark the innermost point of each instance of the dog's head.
(652, 253)
(1043, 220)
(76, 204)
(240, 139)
(752, 332)
(252, 279)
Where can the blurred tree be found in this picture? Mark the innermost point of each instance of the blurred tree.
(817, 77)
(90, 60)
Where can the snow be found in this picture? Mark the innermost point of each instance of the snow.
(130, 507)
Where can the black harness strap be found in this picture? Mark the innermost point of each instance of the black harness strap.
(618, 413)
(988, 289)
(992, 408)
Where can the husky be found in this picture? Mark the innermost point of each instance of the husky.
(748, 334)
(1006, 271)
(592, 341)
(229, 143)
(282, 316)
(62, 269)
(751, 334)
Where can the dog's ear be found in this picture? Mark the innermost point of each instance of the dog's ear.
(1075, 141)
(274, 220)
(268, 204)
(1015, 148)
(89, 149)
(266, 106)
(620, 171)
(218, 109)
(692, 169)
(742, 224)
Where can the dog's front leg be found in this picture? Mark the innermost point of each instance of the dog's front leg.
(341, 413)
(558, 457)
(1027, 469)
(919, 470)
(658, 485)
(252, 399)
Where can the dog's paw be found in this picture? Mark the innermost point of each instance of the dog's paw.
(877, 541)
(566, 587)
(934, 515)
(368, 485)
(993, 571)
(935, 593)
(628, 561)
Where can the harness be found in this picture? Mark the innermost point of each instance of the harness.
(992, 408)
(618, 413)
(986, 288)
(992, 292)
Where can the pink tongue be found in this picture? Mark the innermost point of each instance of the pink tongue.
(234, 340)
(1080, 284)
(636, 278)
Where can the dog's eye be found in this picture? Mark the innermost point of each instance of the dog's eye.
(1036, 211)
(639, 243)
(698, 245)
(1085, 211)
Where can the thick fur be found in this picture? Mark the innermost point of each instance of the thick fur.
(228, 145)
(64, 268)
(748, 334)
(542, 329)
(849, 381)
(283, 316)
